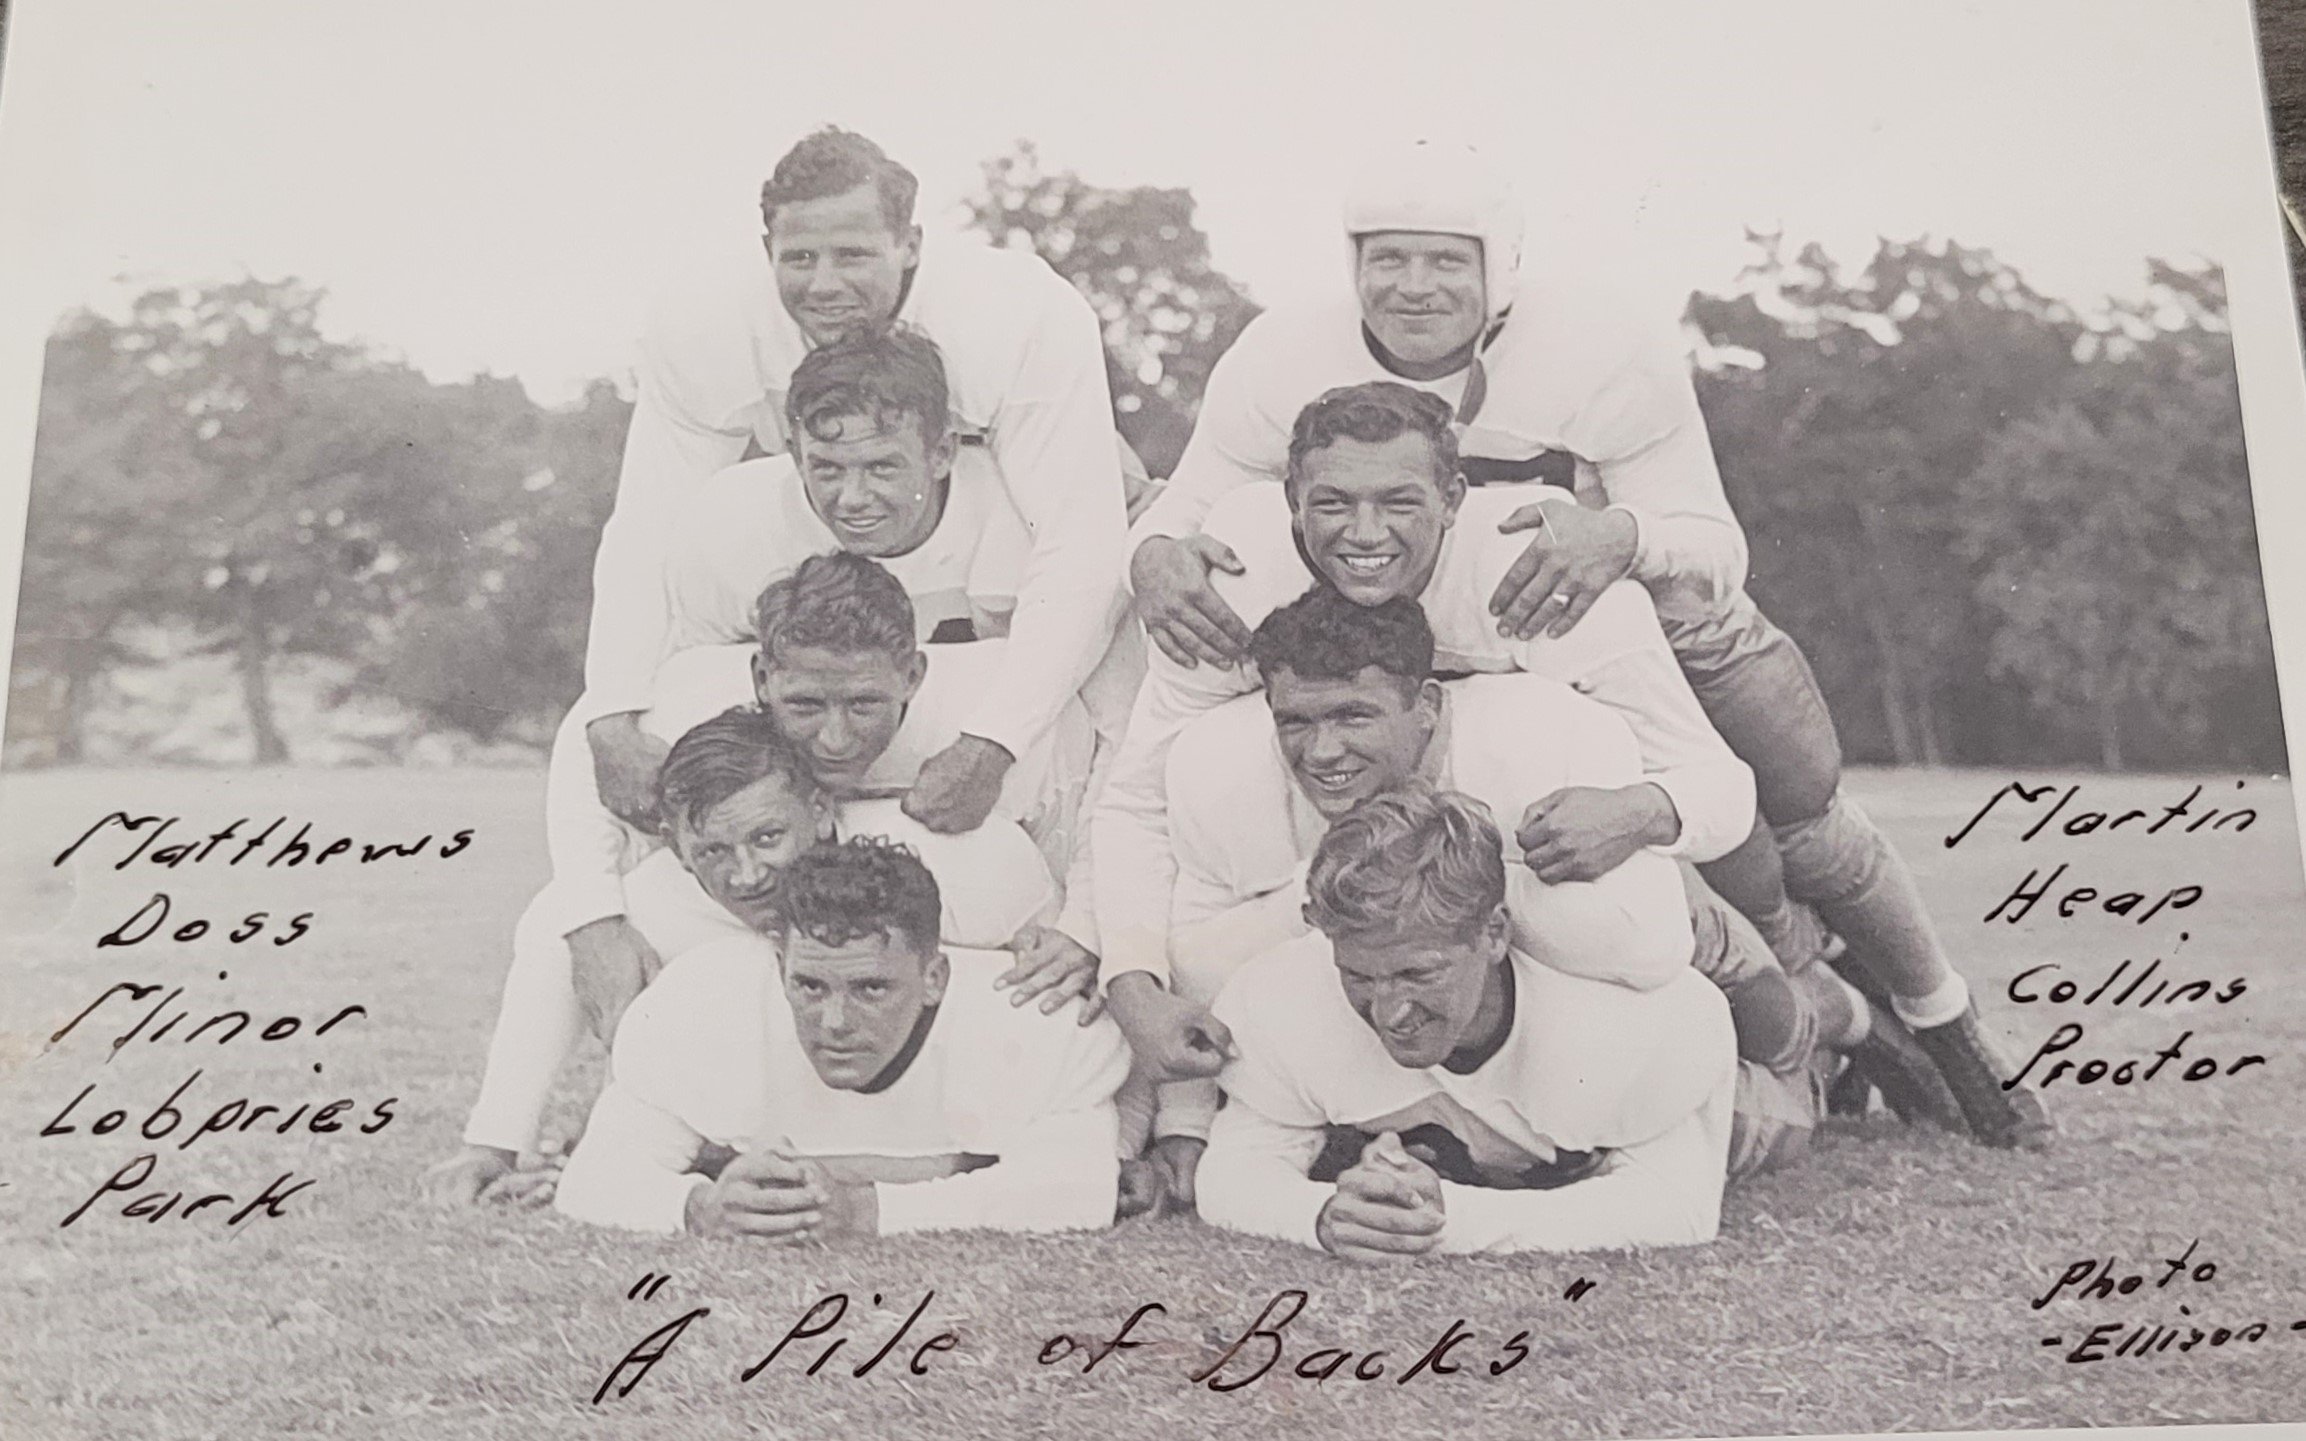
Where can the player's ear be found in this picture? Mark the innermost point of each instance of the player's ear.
(1452, 496)
(909, 247)
(1429, 701)
(824, 814)
(942, 452)
(1496, 933)
(760, 676)
(916, 671)
(933, 978)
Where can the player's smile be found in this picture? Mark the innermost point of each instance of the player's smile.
(1414, 1036)
(863, 523)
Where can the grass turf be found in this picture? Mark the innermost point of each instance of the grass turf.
(1884, 1284)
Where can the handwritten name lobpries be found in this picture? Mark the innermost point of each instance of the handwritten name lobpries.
(204, 1109)
(1256, 1351)
(2031, 814)
(2095, 1278)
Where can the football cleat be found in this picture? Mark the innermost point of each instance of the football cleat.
(1905, 1074)
(1999, 1115)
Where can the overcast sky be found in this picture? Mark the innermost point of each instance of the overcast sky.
(501, 185)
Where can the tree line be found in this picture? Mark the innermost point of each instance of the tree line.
(2006, 534)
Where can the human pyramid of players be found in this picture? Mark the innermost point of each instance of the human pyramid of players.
(1397, 833)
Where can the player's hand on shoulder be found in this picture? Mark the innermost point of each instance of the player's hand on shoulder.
(610, 963)
(1182, 611)
(959, 785)
(625, 764)
(1173, 1038)
(767, 1195)
(1387, 1207)
(1054, 967)
(1575, 555)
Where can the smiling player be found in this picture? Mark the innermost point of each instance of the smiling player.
(1375, 507)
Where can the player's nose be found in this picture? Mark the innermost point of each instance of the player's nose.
(1396, 1013)
(747, 869)
(1326, 744)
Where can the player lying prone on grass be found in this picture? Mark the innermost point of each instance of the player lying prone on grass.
(1407, 1081)
(869, 1082)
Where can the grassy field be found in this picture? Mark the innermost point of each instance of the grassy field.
(1883, 1285)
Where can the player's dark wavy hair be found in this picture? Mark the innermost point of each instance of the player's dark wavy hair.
(837, 602)
(1323, 636)
(833, 161)
(881, 377)
(1373, 412)
(722, 756)
(1409, 862)
(863, 886)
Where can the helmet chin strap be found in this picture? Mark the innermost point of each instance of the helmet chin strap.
(1476, 378)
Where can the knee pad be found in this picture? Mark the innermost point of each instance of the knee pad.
(1833, 856)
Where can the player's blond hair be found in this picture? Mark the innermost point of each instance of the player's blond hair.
(1409, 862)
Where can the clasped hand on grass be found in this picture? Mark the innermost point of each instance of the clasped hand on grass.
(1388, 1206)
(777, 1197)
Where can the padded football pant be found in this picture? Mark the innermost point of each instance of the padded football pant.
(1810, 842)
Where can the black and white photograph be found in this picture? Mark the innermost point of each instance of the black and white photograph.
(1149, 719)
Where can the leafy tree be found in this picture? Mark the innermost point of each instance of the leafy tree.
(498, 643)
(282, 522)
(278, 490)
(2118, 549)
(1144, 265)
(90, 555)
(1862, 404)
